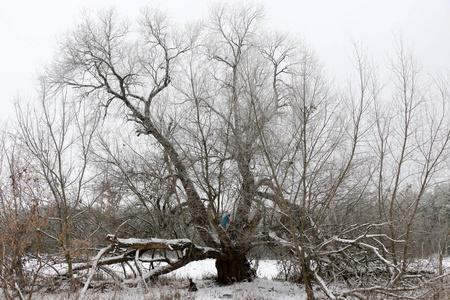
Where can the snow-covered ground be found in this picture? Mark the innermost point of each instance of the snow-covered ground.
(206, 269)
(260, 289)
(175, 285)
(264, 287)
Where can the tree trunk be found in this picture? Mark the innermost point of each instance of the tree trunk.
(68, 258)
(307, 278)
(235, 269)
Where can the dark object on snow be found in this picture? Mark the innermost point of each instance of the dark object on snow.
(192, 286)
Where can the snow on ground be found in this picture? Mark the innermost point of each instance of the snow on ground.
(175, 285)
(260, 289)
(263, 287)
(206, 269)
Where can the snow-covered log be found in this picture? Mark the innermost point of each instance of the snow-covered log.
(186, 246)
(130, 249)
(148, 244)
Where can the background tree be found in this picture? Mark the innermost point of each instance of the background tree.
(58, 136)
(21, 196)
(328, 184)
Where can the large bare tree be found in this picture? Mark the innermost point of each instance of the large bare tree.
(218, 82)
(240, 120)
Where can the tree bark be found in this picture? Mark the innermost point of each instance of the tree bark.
(307, 277)
(235, 269)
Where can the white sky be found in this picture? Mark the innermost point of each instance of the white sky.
(29, 30)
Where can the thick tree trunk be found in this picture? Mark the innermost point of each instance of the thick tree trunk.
(235, 269)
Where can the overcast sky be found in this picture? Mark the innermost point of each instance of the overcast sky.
(29, 30)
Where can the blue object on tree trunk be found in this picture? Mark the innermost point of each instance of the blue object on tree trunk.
(225, 221)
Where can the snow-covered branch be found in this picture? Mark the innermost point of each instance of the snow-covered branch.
(133, 249)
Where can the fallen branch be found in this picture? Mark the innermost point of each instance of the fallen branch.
(100, 254)
(131, 249)
(94, 268)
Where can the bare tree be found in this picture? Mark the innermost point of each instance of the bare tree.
(58, 135)
(20, 221)
(98, 60)
(317, 160)
(240, 122)
(424, 136)
(333, 232)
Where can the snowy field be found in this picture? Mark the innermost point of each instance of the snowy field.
(175, 286)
